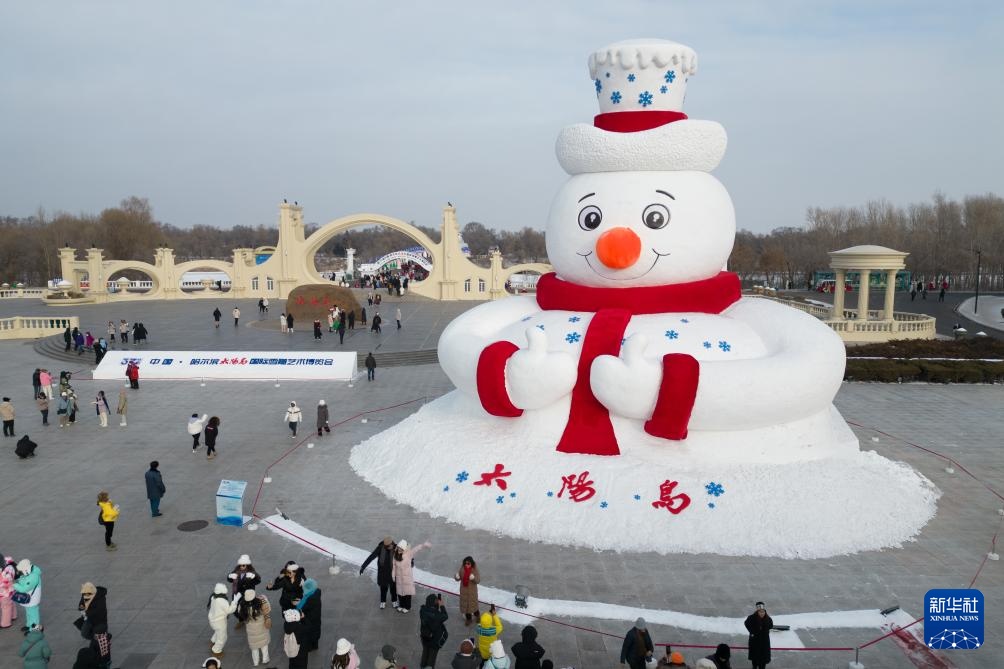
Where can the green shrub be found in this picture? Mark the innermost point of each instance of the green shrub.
(975, 347)
(930, 371)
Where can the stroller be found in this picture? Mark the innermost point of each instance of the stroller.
(25, 448)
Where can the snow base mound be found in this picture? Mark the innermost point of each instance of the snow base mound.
(453, 461)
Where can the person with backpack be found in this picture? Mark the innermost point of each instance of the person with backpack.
(219, 606)
(294, 640)
(432, 632)
(106, 517)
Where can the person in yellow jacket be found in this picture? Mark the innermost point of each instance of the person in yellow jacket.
(489, 629)
(109, 512)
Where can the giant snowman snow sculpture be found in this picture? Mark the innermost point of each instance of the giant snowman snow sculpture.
(640, 346)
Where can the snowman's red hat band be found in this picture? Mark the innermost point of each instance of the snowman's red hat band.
(636, 121)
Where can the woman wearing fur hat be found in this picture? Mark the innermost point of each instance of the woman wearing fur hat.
(220, 606)
(403, 572)
(290, 582)
(29, 582)
(759, 624)
(293, 624)
(322, 418)
(469, 578)
(466, 657)
(254, 612)
(293, 418)
(8, 612)
(345, 656)
(244, 576)
(309, 607)
(109, 513)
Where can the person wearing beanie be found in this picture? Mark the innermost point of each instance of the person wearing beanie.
(195, 425)
(403, 572)
(432, 632)
(309, 607)
(35, 649)
(527, 652)
(637, 647)
(29, 582)
(466, 658)
(345, 656)
(322, 418)
(220, 606)
(385, 660)
(672, 659)
(93, 609)
(759, 624)
(497, 659)
(384, 555)
(294, 639)
(8, 574)
(244, 576)
(254, 613)
(290, 582)
(489, 629)
(212, 663)
(721, 657)
(293, 418)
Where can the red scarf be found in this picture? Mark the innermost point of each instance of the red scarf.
(710, 296)
(465, 578)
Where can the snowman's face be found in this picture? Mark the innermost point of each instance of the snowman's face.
(620, 229)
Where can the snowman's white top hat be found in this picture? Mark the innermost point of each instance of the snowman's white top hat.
(640, 86)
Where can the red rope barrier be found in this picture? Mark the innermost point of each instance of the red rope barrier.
(895, 630)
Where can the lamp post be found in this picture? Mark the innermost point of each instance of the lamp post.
(976, 302)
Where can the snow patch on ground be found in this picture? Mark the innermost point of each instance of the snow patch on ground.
(434, 461)
(989, 314)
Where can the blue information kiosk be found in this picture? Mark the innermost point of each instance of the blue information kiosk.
(230, 503)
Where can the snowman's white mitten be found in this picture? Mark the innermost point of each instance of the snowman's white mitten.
(536, 377)
(627, 385)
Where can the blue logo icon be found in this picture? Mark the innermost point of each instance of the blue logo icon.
(953, 619)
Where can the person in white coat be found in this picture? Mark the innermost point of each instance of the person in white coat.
(195, 426)
(220, 606)
(293, 418)
(403, 572)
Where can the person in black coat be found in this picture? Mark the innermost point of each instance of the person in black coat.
(293, 624)
(290, 582)
(527, 652)
(637, 645)
(94, 609)
(759, 624)
(722, 657)
(384, 555)
(310, 612)
(432, 633)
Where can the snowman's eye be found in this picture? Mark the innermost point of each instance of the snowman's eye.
(655, 216)
(590, 217)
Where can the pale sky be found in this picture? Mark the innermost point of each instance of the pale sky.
(215, 111)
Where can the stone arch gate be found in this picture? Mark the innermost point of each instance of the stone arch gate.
(453, 276)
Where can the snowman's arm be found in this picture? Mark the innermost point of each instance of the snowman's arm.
(798, 377)
(464, 339)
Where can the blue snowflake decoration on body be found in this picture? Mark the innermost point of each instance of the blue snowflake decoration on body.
(574, 319)
(645, 99)
(499, 499)
(672, 334)
(631, 77)
(604, 504)
(670, 76)
(573, 337)
(540, 326)
(684, 320)
(599, 86)
(725, 346)
(462, 476)
(707, 344)
(615, 97)
(715, 489)
(663, 89)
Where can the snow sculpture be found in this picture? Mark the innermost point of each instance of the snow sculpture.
(640, 346)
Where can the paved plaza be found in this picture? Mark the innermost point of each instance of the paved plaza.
(160, 578)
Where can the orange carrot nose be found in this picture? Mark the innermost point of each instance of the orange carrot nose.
(618, 248)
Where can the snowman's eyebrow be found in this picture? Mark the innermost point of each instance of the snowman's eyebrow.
(660, 191)
(585, 196)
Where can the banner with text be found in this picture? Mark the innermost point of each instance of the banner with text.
(247, 365)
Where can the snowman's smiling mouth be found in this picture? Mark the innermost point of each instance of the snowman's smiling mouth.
(585, 256)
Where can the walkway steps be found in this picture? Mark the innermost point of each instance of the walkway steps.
(53, 347)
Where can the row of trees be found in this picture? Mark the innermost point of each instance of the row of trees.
(942, 237)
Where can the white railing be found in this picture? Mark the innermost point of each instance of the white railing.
(21, 292)
(25, 327)
(903, 326)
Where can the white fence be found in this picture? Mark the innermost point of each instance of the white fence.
(21, 292)
(27, 327)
